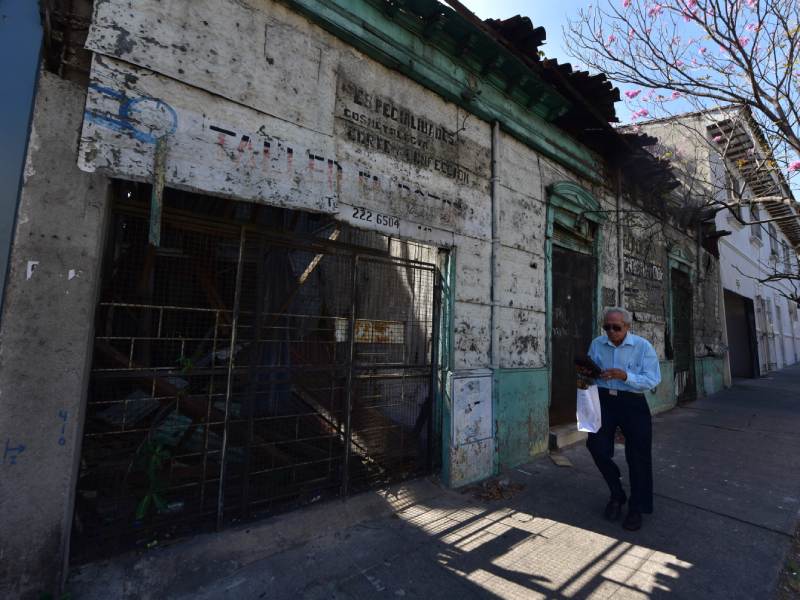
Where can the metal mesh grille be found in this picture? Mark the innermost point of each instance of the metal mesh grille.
(289, 381)
(232, 353)
(392, 357)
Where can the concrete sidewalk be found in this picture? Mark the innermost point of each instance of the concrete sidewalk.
(727, 500)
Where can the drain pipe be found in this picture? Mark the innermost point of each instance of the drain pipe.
(495, 181)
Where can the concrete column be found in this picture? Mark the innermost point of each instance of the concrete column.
(45, 344)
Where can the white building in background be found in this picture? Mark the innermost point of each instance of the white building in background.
(723, 155)
(762, 324)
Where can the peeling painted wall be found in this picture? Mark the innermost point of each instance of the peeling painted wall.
(255, 103)
(647, 242)
(521, 418)
(709, 318)
(663, 397)
(272, 109)
(279, 111)
(472, 446)
(710, 372)
(45, 345)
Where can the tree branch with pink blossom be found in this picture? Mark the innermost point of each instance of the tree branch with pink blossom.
(680, 55)
(736, 64)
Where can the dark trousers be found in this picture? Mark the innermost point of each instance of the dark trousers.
(629, 412)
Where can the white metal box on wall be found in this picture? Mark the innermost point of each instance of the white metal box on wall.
(472, 440)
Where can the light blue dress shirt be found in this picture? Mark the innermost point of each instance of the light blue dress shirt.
(635, 355)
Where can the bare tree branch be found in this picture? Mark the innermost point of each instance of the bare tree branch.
(702, 56)
(709, 52)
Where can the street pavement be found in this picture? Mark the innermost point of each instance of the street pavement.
(727, 483)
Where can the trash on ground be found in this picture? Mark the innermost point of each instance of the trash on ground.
(560, 460)
(496, 489)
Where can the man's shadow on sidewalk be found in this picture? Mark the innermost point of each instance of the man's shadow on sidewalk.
(719, 531)
(519, 560)
(551, 540)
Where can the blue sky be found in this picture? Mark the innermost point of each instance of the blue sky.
(553, 16)
(550, 14)
(20, 37)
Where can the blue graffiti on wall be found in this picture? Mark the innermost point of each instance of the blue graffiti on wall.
(143, 118)
(11, 453)
(63, 415)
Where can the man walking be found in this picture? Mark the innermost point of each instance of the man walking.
(629, 367)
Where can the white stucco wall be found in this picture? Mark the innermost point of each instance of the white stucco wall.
(743, 260)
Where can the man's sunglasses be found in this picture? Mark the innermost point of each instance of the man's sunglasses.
(607, 327)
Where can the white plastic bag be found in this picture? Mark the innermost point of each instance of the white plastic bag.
(589, 409)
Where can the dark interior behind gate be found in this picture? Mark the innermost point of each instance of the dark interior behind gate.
(259, 359)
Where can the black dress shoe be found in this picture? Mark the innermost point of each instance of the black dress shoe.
(633, 522)
(613, 510)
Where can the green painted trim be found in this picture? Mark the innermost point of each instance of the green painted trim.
(711, 368)
(449, 276)
(679, 259)
(438, 63)
(571, 197)
(495, 425)
(447, 360)
(598, 281)
(664, 397)
(548, 295)
(577, 211)
(522, 426)
(447, 426)
(562, 198)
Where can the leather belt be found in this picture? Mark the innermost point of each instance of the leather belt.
(622, 393)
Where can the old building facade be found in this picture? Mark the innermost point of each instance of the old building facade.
(725, 157)
(272, 252)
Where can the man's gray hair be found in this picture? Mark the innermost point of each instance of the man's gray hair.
(626, 316)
